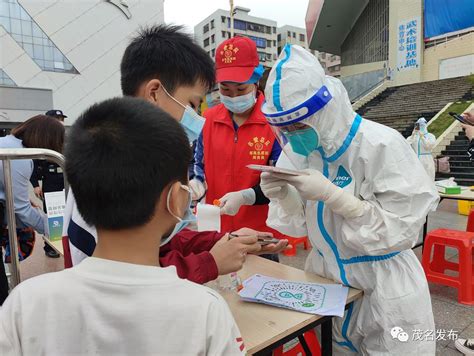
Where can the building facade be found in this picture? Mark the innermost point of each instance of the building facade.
(215, 28)
(297, 35)
(399, 41)
(67, 53)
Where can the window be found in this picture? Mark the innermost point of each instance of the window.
(262, 56)
(224, 34)
(302, 38)
(274, 43)
(240, 25)
(213, 52)
(205, 29)
(279, 49)
(275, 56)
(24, 30)
(213, 40)
(268, 29)
(261, 42)
(289, 34)
(212, 24)
(255, 27)
(223, 19)
(269, 43)
(268, 56)
(279, 37)
(294, 34)
(206, 42)
(368, 42)
(5, 79)
(274, 29)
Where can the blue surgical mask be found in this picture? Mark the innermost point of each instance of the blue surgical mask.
(190, 120)
(239, 104)
(182, 222)
(192, 123)
(303, 142)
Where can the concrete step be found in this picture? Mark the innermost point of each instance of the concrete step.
(454, 162)
(458, 175)
(453, 152)
(461, 169)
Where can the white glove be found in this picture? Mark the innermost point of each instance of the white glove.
(280, 191)
(231, 202)
(315, 186)
(198, 189)
(273, 188)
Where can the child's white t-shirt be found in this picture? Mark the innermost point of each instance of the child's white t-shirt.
(104, 307)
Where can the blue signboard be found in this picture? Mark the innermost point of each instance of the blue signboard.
(444, 16)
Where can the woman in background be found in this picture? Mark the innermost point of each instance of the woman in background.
(38, 132)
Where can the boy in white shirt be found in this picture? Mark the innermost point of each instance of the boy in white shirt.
(126, 161)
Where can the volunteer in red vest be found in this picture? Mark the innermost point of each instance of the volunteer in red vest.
(235, 134)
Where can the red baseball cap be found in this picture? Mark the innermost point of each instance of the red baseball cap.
(236, 60)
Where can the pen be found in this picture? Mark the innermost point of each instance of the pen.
(262, 239)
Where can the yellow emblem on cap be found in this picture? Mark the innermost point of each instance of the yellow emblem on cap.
(228, 53)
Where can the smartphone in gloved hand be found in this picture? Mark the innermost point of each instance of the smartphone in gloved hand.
(460, 118)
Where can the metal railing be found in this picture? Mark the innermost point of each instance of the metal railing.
(7, 155)
(369, 90)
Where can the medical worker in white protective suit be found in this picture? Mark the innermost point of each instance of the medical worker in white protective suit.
(422, 143)
(362, 199)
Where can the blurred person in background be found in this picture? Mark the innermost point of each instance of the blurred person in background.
(51, 177)
(40, 131)
(423, 143)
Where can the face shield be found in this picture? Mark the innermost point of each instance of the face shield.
(296, 129)
(422, 125)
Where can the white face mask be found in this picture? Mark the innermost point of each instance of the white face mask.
(182, 222)
(239, 104)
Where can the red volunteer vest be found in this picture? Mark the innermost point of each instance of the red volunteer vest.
(226, 154)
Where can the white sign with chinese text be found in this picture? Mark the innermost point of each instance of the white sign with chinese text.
(55, 205)
(409, 44)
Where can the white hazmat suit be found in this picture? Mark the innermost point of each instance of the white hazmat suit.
(362, 203)
(423, 143)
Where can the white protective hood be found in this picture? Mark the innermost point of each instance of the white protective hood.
(285, 91)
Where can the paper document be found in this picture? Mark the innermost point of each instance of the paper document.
(312, 298)
(55, 204)
(208, 217)
(271, 169)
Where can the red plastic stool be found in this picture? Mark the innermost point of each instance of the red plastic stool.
(293, 241)
(437, 240)
(470, 222)
(294, 348)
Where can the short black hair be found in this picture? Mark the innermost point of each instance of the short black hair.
(166, 53)
(120, 156)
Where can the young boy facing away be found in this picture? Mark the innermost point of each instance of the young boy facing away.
(127, 164)
(165, 67)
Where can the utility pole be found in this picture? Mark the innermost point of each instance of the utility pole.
(231, 18)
